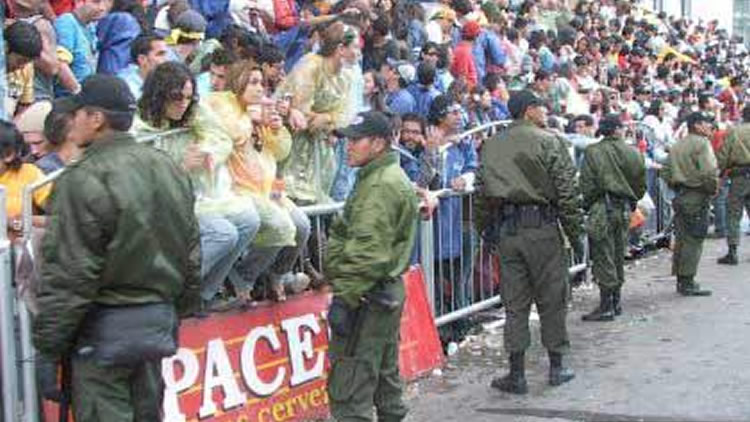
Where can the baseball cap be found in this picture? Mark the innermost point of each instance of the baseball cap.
(32, 119)
(521, 100)
(370, 123)
(445, 13)
(471, 29)
(697, 117)
(610, 122)
(106, 92)
(404, 69)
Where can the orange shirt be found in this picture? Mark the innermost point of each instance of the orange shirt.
(14, 181)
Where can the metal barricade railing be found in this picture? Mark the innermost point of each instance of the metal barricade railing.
(9, 369)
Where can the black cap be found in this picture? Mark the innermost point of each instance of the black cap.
(697, 117)
(106, 92)
(610, 123)
(370, 123)
(521, 100)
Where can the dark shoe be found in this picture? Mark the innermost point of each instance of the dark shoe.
(687, 287)
(728, 259)
(515, 381)
(616, 301)
(605, 310)
(511, 384)
(558, 374)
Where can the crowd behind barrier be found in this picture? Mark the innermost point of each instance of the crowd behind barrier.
(457, 286)
(193, 67)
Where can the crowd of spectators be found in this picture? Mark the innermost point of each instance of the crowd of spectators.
(253, 91)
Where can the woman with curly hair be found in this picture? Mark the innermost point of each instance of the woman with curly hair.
(260, 142)
(228, 222)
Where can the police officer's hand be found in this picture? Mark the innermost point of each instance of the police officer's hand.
(340, 317)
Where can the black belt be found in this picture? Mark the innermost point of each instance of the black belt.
(527, 216)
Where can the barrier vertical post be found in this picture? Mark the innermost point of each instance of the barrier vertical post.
(427, 259)
(7, 332)
(28, 354)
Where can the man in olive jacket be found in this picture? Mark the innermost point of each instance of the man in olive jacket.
(692, 172)
(369, 248)
(527, 190)
(613, 179)
(734, 158)
(121, 236)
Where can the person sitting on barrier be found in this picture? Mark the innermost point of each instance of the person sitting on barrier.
(57, 128)
(260, 140)
(15, 175)
(228, 222)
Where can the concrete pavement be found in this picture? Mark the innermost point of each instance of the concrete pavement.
(667, 359)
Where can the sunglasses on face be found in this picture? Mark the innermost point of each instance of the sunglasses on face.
(179, 96)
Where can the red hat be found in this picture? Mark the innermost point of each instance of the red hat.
(471, 29)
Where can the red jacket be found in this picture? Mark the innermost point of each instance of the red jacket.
(463, 63)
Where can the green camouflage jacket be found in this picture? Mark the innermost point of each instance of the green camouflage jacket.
(372, 241)
(121, 231)
(612, 167)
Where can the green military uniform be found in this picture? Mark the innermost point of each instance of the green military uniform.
(734, 157)
(613, 179)
(369, 249)
(527, 166)
(691, 171)
(121, 231)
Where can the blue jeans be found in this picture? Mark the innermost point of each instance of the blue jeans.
(279, 260)
(223, 239)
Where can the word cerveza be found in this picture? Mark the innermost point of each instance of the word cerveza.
(301, 364)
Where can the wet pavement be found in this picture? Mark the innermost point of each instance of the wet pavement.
(666, 359)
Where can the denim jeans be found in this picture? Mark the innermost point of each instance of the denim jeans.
(223, 239)
(276, 259)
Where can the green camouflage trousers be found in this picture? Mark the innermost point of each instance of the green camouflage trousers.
(608, 233)
(691, 214)
(116, 394)
(533, 267)
(739, 200)
(370, 377)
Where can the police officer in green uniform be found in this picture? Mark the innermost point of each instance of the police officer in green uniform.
(121, 261)
(613, 179)
(734, 158)
(692, 172)
(527, 190)
(369, 248)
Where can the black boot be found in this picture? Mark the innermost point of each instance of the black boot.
(730, 258)
(558, 374)
(515, 381)
(605, 311)
(687, 287)
(616, 301)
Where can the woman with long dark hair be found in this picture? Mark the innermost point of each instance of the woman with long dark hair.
(228, 222)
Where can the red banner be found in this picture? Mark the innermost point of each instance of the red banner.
(270, 363)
